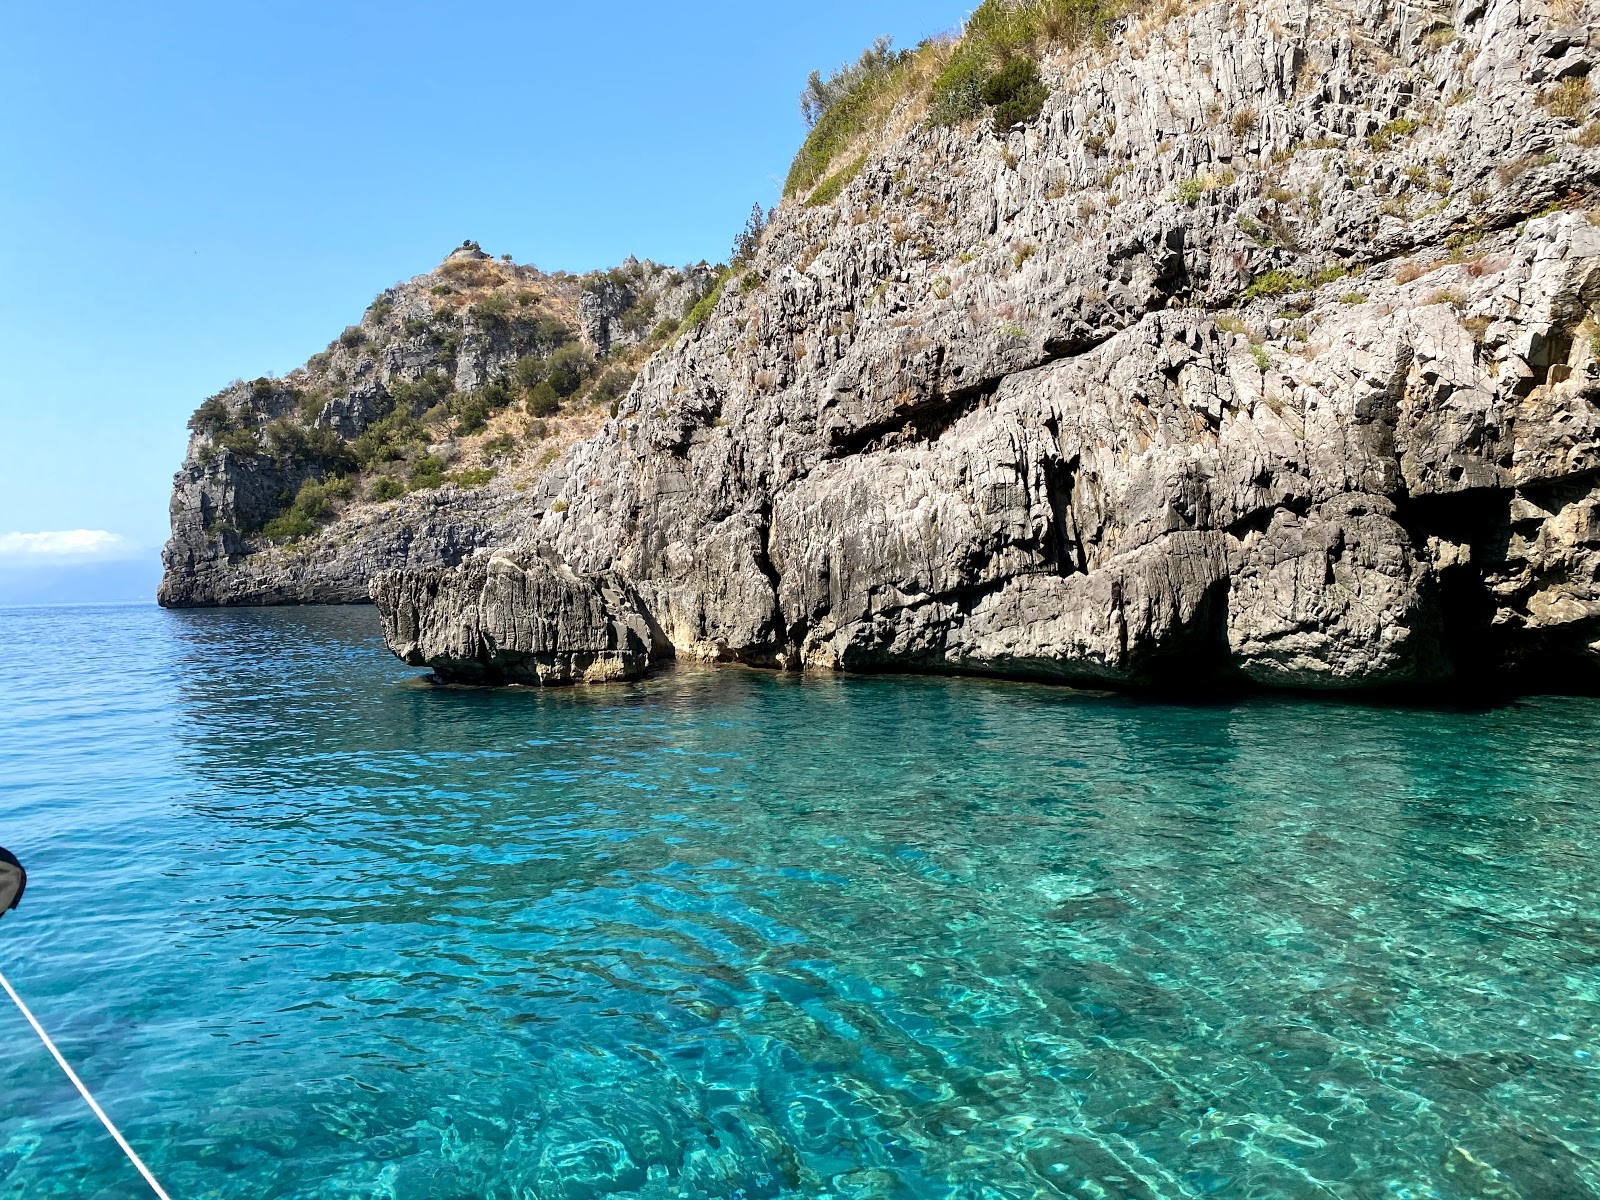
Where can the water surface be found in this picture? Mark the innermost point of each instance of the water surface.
(314, 928)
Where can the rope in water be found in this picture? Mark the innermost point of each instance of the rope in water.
(83, 1091)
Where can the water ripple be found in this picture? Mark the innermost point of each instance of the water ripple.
(315, 928)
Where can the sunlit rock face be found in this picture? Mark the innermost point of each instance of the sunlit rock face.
(1266, 353)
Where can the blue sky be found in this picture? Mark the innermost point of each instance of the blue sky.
(192, 193)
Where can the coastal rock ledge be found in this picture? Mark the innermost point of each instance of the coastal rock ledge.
(514, 618)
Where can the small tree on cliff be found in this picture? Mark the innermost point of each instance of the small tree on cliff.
(749, 239)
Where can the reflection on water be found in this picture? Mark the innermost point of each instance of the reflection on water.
(316, 928)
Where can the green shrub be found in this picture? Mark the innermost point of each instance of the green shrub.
(528, 371)
(352, 337)
(288, 527)
(476, 477)
(312, 503)
(310, 406)
(567, 369)
(1384, 139)
(707, 303)
(290, 442)
(958, 89)
(1263, 362)
(379, 310)
(496, 394)
(427, 472)
(388, 488)
(1016, 92)
(551, 331)
(388, 439)
(472, 410)
(499, 446)
(995, 63)
(637, 318)
(212, 417)
(419, 396)
(542, 400)
(243, 442)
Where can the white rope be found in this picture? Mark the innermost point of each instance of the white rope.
(83, 1091)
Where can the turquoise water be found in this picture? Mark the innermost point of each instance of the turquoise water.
(313, 927)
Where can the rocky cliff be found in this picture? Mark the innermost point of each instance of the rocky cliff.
(1266, 348)
(413, 438)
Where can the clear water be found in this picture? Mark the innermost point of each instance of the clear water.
(315, 928)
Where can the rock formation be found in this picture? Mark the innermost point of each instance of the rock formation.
(1269, 350)
(514, 618)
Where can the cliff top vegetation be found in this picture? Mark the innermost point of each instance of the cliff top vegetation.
(989, 67)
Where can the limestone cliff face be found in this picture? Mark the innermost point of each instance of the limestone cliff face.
(1267, 350)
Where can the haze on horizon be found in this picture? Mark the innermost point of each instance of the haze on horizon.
(192, 194)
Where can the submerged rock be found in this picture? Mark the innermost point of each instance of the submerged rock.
(514, 618)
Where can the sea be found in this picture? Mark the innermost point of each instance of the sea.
(310, 925)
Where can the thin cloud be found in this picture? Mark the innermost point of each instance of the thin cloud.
(64, 546)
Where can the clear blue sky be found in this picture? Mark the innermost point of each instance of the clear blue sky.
(196, 192)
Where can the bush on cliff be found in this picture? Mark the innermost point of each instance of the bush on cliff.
(292, 444)
(426, 473)
(388, 488)
(991, 66)
(494, 311)
(1016, 92)
(995, 64)
(613, 384)
(567, 369)
(312, 503)
(551, 331)
(748, 240)
(542, 400)
(212, 417)
(418, 397)
(840, 107)
(707, 303)
(388, 439)
(472, 410)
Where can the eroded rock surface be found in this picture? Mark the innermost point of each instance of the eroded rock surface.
(514, 617)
